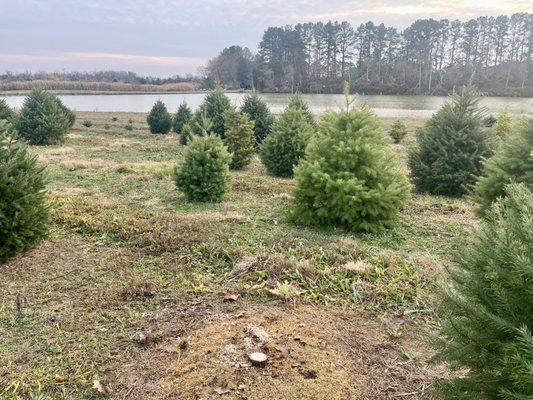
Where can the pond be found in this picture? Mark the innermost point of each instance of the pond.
(383, 106)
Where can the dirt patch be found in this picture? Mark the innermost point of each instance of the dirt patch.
(312, 353)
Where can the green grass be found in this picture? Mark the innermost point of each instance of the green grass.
(128, 254)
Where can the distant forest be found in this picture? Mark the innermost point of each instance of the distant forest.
(429, 57)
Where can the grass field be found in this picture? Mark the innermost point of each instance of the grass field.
(157, 298)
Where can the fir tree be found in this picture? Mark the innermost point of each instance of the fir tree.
(204, 173)
(398, 131)
(159, 120)
(6, 112)
(239, 138)
(24, 216)
(512, 162)
(296, 102)
(214, 106)
(183, 116)
(503, 125)
(259, 113)
(71, 116)
(450, 148)
(487, 309)
(42, 119)
(348, 177)
(285, 146)
(186, 134)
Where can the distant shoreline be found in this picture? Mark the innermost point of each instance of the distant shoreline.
(24, 92)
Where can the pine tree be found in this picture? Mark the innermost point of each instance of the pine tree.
(186, 134)
(183, 116)
(24, 216)
(42, 119)
(215, 104)
(239, 138)
(6, 112)
(285, 146)
(204, 173)
(159, 120)
(487, 309)
(348, 177)
(398, 131)
(512, 162)
(503, 125)
(450, 148)
(296, 102)
(259, 113)
(71, 116)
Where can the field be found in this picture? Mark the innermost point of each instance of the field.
(138, 294)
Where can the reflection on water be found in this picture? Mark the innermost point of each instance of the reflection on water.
(384, 106)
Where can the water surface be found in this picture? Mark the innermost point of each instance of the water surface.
(383, 106)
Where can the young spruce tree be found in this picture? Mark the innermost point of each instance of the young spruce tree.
(296, 102)
(348, 176)
(214, 106)
(487, 309)
(239, 138)
(203, 174)
(398, 131)
(159, 119)
(43, 119)
(450, 148)
(285, 146)
(24, 216)
(259, 113)
(512, 163)
(6, 112)
(183, 116)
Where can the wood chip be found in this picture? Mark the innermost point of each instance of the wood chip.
(258, 359)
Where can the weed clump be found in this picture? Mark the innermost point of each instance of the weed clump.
(87, 123)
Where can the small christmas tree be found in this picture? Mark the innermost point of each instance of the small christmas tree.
(159, 120)
(259, 113)
(296, 102)
(285, 146)
(214, 106)
(348, 177)
(6, 112)
(239, 138)
(487, 310)
(512, 162)
(450, 148)
(398, 131)
(186, 134)
(503, 126)
(204, 173)
(24, 216)
(183, 116)
(42, 119)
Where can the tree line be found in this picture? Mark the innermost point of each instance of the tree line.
(428, 57)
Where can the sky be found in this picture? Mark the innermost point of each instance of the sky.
(169, 37)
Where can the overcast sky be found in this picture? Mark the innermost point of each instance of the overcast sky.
(167, 37)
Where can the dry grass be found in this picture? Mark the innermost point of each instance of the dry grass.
(131, 270)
